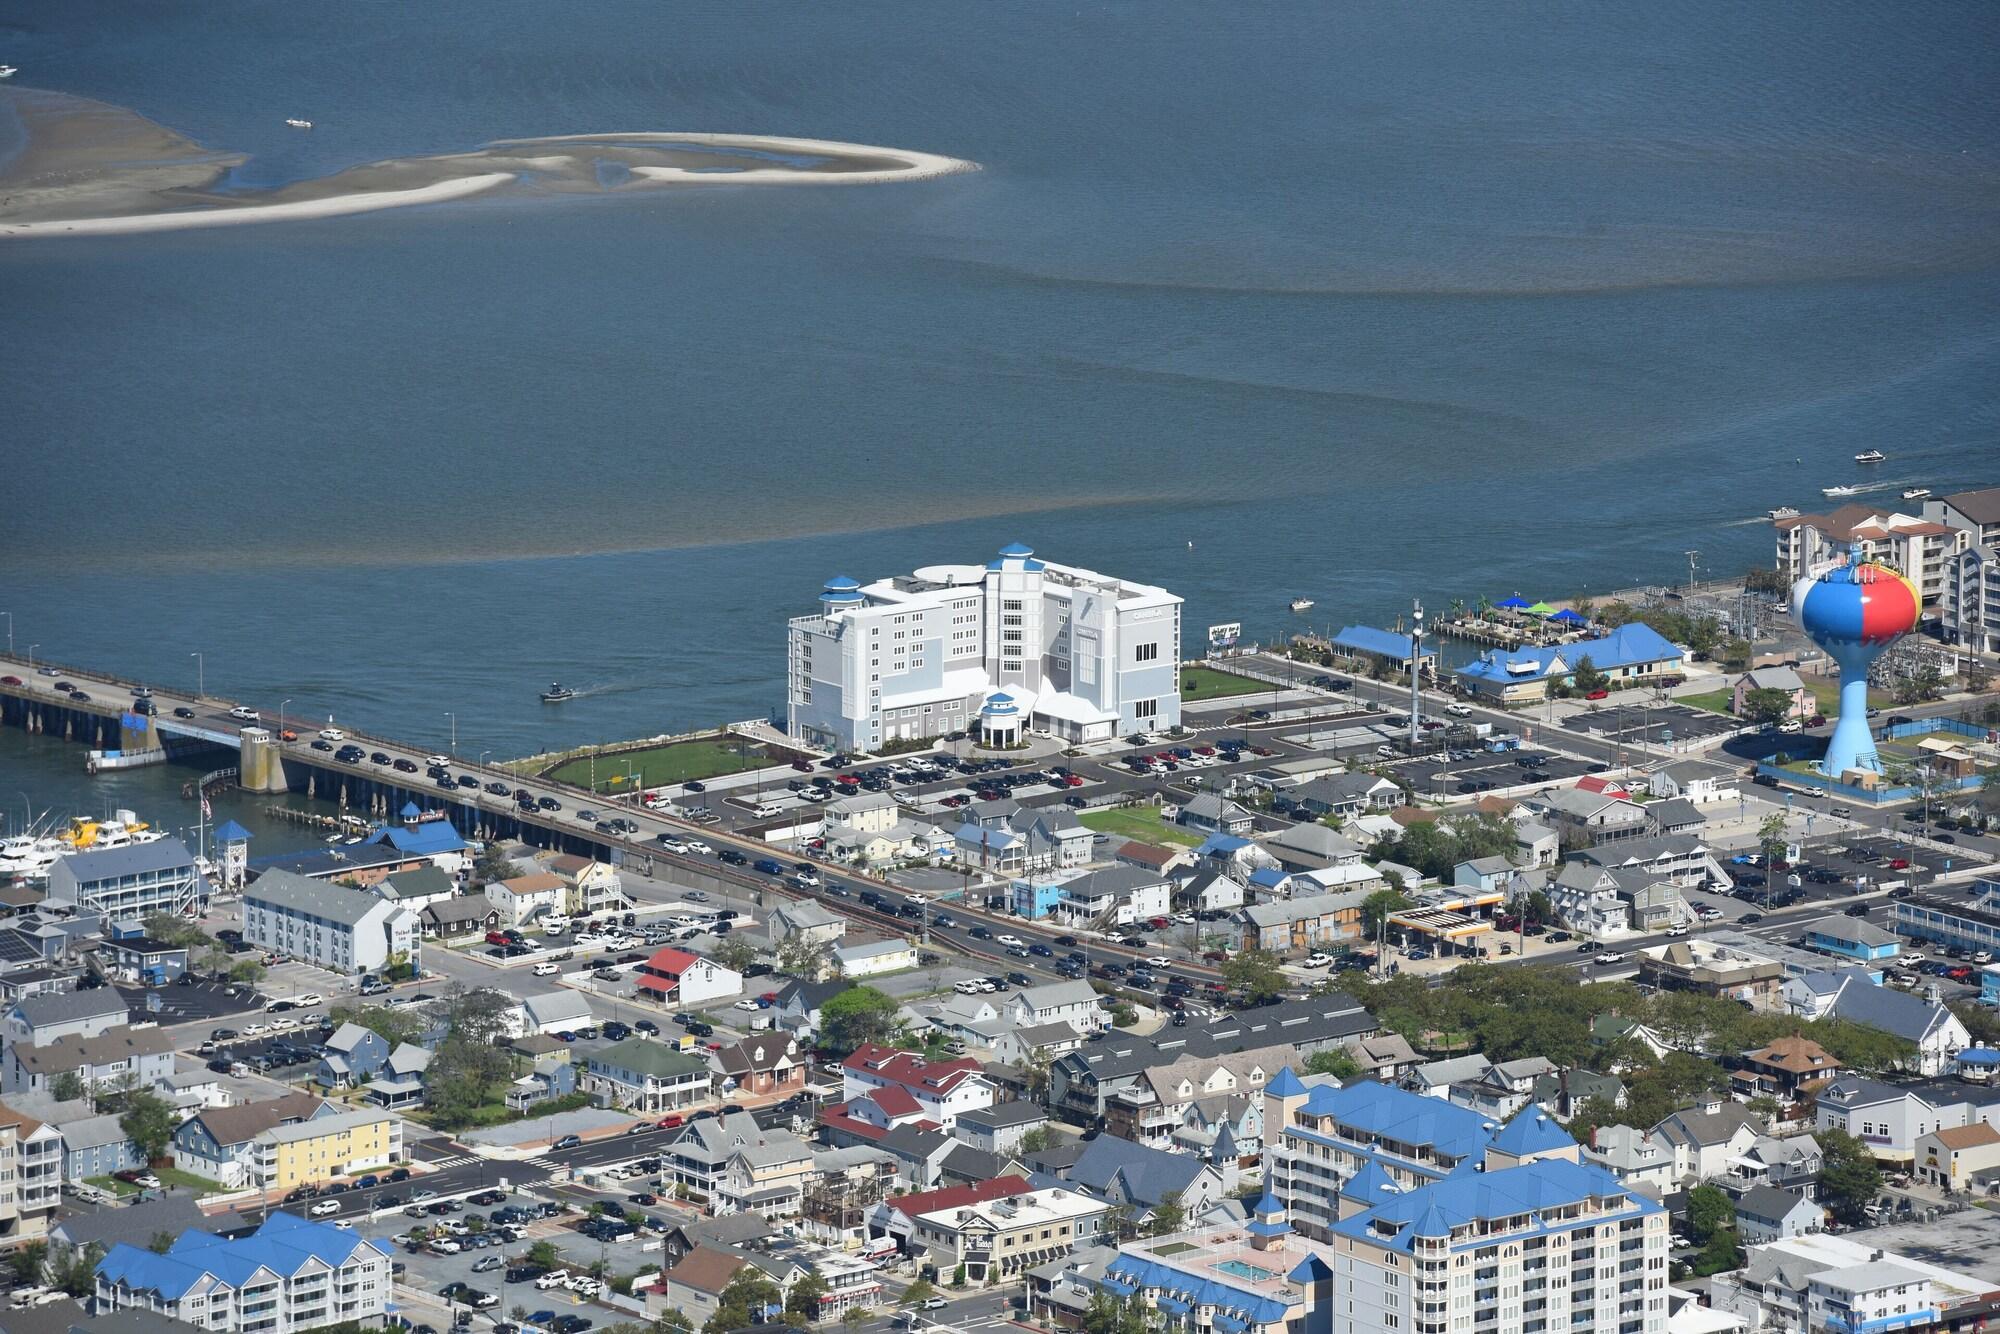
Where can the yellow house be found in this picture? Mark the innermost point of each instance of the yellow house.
(332, 1146)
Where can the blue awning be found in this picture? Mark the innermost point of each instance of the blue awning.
(1113, 1285)
(1229, 1324)
(1169, 1305)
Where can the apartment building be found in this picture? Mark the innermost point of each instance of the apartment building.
(143, 1055)
(1003, 1238)
(31, 1176)
(1017, 643)
(1920, 548)
(1969, 609)
(319, 922)
(219, 1142)
(290, 1274)
(324, 1147)
(1890, 1119)
(132, 881)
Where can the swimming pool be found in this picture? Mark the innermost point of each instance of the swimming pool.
(1243, 1269)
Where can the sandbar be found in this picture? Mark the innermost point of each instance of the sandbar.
(92, 169)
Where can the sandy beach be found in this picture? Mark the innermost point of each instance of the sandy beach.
(91, 169)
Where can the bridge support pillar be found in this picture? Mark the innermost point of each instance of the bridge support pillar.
(263, 766)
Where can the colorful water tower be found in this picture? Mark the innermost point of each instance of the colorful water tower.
(1854, 611)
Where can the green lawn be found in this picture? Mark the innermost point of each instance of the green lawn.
(664, 765)
(173, 1176)
(1827, 693)
(1199, 683)
(1140, 822)
(1715, 701)
(114, 1185)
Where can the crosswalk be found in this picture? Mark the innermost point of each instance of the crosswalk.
(548, 1164)
(456, 1160)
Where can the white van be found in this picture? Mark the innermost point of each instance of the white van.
(546, 969)
(764, 811)
(556, 925)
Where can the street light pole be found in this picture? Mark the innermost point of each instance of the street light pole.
(281, 717)
(454, 733)
(200, 675)
(31, 656)
(10, 632)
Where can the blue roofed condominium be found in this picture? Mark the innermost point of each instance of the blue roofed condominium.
(1015, 644)
(1517, 1235)
(290, 1274)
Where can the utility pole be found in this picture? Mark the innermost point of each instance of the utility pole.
(1692, 556)
(1416, 667)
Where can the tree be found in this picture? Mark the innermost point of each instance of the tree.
(735, 953)
(1734, 655)
(1722, 1253)
(1333, 1061)
(856, 1016)
(544, 1254)
(802, 1302)
(148, 1122)
(1767, 707)
(68, 1087)
(1256, 974)
(1771, 839)
(1708, 1210)
(173, 929)
(1921, 685)
(470, 1063)
(1036, 1140)
(920, 1291)
(744, 1301)
(1375, 910)
(76, 1272)
(247, 971)
(1849, 1178)
(805, 956)
(1168, 1217)
(668, 1320)
(1587, 678)
(1123, 1015)
(1766, 579)
(26, 1261)
(395, 1026)
(1035, 1074)
(161, 1243)
(492, 864)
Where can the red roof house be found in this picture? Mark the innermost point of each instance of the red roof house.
(677, 977)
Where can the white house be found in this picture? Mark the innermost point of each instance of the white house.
(1072, 1003)
(875, 957)
(525, 897)
(1698, 781)
(555, 1012)
(940, 1089)
(1128, 893)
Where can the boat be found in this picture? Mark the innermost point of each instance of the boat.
(298, 124)
(1870, 456)
(29, 856)
(1839, 490)
(1302, 604)
(1916, 493)
(8, 71)
(557, 693)
(1782, 512)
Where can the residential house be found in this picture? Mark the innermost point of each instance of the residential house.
(461, 915)
(1006, 838)
(549, 1078)
(766, 1176)
(43, 1018)
(1588, 900)
(699, 1157)
(805, 919)
(1020, 1046)
(1311, 846)
(216, 1142)
(96, 1146)
(1225, 1131)
(1676, 816)
(641, 1075)
(1711, 1135)
(1766, 1214)
(1702, 782)
(694, 1287)
(762, 1065)
(1001, 1127)
(418, 888)
(798, 1005)
(352, 1056)
(1210, 890)
(289, 1275)
(1346, 796)
(875, 957)
(893, 1220)
(400, 1081)
(1590, 817)
(1958, 1158)
(1153, 1108)
(142, 1055)
(592, 886)
(1680, 858)
(940, 1089)
(138, 960)
(1714, 969)
(1791, 1069)
(527, 897)
(341, 929)
(1853, 939)
(1216, 814)
(1799, 702)
(1072, 1003)
(1640, 1158)
(1435, 1079)
(1789, 1162)
(1156, 858)
(561, 1011)
(675, 977)
(1116, 894)
(1301, 925)
(1504, 1088)
(1935, 1031)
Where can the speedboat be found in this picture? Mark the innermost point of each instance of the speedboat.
(8, 71)
(1870, 456)
(1916, 493)
(1839, 490)
(1783, 512)
(1302, 604)
(29, 856)
(557, 693)
(298, 124)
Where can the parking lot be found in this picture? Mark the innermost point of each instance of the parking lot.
(1489, 771)
(1830, 868)
(193, 1002)
(1659, 725)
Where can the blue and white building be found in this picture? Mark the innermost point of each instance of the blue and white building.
(1630, 655)
(290, 1274)
(134, 881)
(1015, 644)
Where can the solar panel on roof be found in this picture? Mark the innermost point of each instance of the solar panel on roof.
(17, 948)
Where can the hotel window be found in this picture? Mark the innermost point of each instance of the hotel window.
(1147, 653)
(1146, 708)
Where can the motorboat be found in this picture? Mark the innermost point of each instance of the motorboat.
(298, 124)
(8, 71)
(29, 856)
(1916, 493)
(1870, 456)
(1782, 512)
(1302, 604)
(557, 693)
(1839, 490)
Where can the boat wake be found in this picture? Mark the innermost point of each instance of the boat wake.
(94, 170)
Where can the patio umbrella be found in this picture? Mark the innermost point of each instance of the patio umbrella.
(1567, 615)
(1515, 603)
(1540, 609)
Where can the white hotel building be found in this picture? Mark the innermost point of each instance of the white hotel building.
(1017, 643)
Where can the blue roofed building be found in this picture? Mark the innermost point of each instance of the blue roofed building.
(1631, 654)
(1365, 641)
(290, 1274)
(421, 838)
(1318, 1134)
